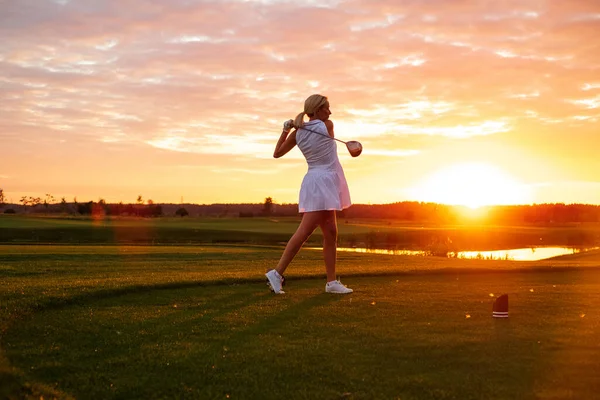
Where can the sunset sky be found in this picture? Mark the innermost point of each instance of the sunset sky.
(458, 102)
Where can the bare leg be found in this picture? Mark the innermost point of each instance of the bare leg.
(310, 221)
(329, 228)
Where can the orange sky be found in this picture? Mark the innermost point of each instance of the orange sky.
(462, 102)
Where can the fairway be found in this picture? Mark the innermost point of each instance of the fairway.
(199, 322)
(372, 233)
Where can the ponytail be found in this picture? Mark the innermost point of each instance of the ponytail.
(299, 120)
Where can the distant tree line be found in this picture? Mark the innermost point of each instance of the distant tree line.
(554, 213)
(48, 205)
(102, 208)
(409, 211)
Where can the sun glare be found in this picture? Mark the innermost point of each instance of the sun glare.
(472, 185)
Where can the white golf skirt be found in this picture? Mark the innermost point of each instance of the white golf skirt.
(324, 189)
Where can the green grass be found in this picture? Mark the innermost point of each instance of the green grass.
(198, 322)
(23, 229)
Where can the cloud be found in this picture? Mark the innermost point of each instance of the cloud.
(218, 77)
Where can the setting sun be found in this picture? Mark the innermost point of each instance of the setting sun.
(472, 185)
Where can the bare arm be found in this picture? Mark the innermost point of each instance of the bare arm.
(285, 143)
(329, 125)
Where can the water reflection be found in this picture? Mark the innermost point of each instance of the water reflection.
(524, 254)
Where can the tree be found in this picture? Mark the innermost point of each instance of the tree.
(63, 204)
(2, 198)
(85, 208)
(48, 200)
(181, 212)
(268, 207)
(140, 200)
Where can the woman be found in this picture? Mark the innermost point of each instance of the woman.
(323, 192)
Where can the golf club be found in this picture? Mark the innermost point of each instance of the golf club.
(354, 147)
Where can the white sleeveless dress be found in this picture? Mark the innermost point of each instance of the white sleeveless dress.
(324, 186)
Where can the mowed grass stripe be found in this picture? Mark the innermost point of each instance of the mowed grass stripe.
(23, 229)
(36, 275)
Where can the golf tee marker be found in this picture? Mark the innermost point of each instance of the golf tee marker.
(500, 308)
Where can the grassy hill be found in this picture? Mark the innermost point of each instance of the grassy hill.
(370, 233)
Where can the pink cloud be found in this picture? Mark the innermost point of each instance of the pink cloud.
(138, 71)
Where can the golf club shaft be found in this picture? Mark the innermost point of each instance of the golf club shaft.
(322, 134)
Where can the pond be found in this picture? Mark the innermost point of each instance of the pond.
(523, 254)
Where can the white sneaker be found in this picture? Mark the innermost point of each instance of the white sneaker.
(275, 281)
(337, 287)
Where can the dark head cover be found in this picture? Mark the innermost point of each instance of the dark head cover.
(500, 308)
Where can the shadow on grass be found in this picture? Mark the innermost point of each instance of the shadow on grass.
(83, 298)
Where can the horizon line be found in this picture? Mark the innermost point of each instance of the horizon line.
(292, 204)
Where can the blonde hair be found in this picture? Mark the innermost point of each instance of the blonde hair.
(311, 106)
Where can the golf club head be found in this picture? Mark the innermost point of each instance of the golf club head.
(354, 147)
